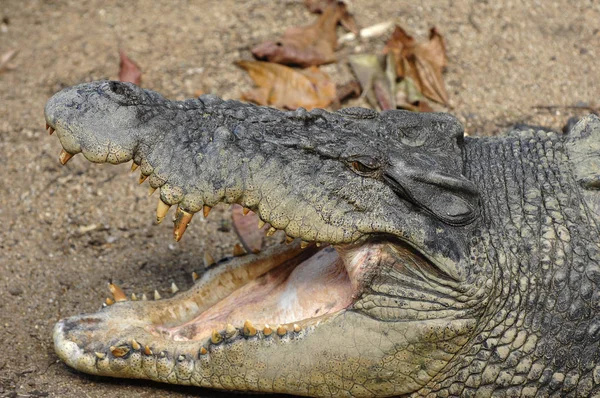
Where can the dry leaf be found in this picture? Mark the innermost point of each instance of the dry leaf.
(376, 82)
(305, 46)
(129, 71)
(5, 59)
(284, 87)
(245, 228)
(422, 62)
(346, 20)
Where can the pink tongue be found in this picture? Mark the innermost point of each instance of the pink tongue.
(285, 295)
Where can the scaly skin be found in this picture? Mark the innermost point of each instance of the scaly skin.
(455, 266)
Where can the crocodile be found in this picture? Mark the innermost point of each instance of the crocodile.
(419, 261)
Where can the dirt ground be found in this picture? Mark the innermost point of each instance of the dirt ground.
(66, 230)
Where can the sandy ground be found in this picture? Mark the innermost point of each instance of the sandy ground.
(66, 230)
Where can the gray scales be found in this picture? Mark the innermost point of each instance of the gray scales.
(420, 261)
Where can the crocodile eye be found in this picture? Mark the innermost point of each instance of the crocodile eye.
(366, 168)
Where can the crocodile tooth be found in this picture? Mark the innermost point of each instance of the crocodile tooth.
(119, 351)
(147, 350)
(216, 337)
(249, 329)
(271, 231)
(51, 130)
(297, 328)
(318, 244)
(288, 240)
(261, 223)
(47, 126)
(245, 210)
(144, 297)
(182, 220)
(117, 292)
(134, 297)
(181, 358)
(174, 288)
(135, 345)
(208, 259)
(230, 331)
(151, 190)
(109, 301)
(206, 210)
(161, 211)
(281, 330)
(267, 330)
(203, 351)
(157, 295)
(100, 355)
(304, 244)
(64, 157)
(142, 178)
(195, 276)
(134, 166)
(163, 354)
(238, 250)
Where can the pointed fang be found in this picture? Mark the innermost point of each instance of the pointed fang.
(304, 244)
(134, 297)
(174, 288)
(151, 190)
(297, 328)
(271, 231)
(64, 157)
(281, 330)
(238, 250)
(209, 261)
(117, 292)
(161, 211)
(134, 166)
(267, 331)
(203, 351)
(142, 178)
(216, 337)
(144, 297)
(230, 331)
(261, 224)
(135, 345)
(51, 130)
(182, 220)
(157, 295)
(245, 210)
(249, 329)
(195, 276)
(100, 355)
(288, 240)
(147, 350)
(206, 210)
(109, 301)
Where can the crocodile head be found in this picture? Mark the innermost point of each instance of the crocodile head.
(373, 296)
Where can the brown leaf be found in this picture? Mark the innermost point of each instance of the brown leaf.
(284, 87)
(305, 46)
(377, 83)
(129, 71)
(422, 62)
(347, 19)
(245, 228)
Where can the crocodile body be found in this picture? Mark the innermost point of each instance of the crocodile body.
(425, 263)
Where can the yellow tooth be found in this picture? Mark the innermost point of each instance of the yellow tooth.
(271, 231)
(195, 276)
(144, 297)
(133, 297)
(147, 350)
(281, 330)
(109, 301)
(318, 244)
(216, 337)
(64, 157)
(135, 345)
(174, 288)
(182, 220)
(134, 166)
(238, 250)
(230, 331)
(304, 244)
(288, 240)
(267, 330)
(100, 355)
(203, 351)
(245, 210)
(208, 259)
(151, 190)
(249, 329)
(119, 351)
(297, 328)
(157, 295)
(206, 210)
(161, 211)
(142, 178)
(261, 223)
(117, 292)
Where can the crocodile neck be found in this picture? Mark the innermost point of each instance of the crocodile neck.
(540, 243)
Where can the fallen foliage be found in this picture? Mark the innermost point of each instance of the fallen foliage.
(284, 87)
(346, 20)
(129, 71)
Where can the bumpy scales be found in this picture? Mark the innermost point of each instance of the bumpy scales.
(417, 262)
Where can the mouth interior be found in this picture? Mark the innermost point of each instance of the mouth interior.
(300, 291)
